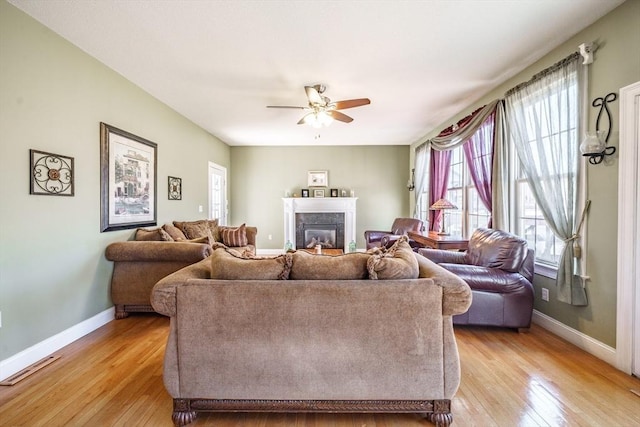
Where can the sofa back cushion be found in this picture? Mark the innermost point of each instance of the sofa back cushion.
(496, 249)
(228, 264)
(351, 266)
(200, 228)
(397, 262)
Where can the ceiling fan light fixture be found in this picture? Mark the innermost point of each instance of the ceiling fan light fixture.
(318, 119)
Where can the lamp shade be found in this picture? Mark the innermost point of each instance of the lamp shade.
(442, 204)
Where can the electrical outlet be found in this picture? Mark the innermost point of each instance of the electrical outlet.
(269, 237)
(545, 294)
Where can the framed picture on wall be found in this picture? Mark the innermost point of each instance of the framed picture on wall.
(51, 174)
(318, 179)
(128, 182)
(175, 188)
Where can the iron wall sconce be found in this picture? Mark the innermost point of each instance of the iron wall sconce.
(594, 146)
(411, 183)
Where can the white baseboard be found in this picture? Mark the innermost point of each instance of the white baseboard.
(577, 338)
(52, 344)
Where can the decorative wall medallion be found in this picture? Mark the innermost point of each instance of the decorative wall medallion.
(175, 188)
(51, 174)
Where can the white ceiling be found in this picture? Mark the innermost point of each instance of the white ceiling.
(220, 63)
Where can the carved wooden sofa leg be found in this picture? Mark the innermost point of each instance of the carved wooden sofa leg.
(120, 312)
(182, 413)
(441, 415)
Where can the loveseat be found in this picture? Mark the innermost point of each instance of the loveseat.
(498, 266)
(155, 253)
(360, 332)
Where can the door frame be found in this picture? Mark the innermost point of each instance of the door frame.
(628, 309)
(221, 170)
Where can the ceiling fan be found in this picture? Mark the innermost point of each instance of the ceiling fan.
(321, 111)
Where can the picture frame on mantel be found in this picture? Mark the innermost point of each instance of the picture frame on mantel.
(127, 203)
(318, 193)
(318, 179)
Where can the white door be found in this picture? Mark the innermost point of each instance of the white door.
(218, 193)
(628, 308)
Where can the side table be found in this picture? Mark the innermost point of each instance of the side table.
(436, 241)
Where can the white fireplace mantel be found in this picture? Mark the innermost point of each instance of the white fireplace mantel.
(346, 205)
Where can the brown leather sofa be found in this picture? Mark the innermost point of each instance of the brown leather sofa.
(400, 227)
(498, 267)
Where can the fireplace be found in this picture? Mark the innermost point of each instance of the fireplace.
(320, 228)
(328, 219)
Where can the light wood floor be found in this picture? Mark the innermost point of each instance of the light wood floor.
(113, 377)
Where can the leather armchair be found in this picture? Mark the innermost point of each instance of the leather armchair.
(498, 267)
(400, 227)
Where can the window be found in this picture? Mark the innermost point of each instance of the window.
(471, 213)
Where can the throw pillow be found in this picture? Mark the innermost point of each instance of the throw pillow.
(173, 231)
(397, 262)
(194, 229)
(229, 264)
(308, 266)
(152, 235)
(234, 237)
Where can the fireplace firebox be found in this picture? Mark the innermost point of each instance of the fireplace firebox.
(322, 228)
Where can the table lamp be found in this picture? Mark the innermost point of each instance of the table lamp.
(442, 205)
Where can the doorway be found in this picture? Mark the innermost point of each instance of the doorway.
(218, 205)
(628, 306)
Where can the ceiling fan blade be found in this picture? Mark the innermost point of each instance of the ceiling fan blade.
(313, 95)
(337, 115)
(350, 103)
(285, 106)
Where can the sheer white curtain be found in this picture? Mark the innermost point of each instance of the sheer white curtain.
(421, 159)
(544, 124)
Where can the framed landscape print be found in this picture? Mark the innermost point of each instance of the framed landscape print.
(51, 174)
(175, 188)
(128, 183)
(318, 179)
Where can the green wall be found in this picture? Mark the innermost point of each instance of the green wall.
(260, 176)
(53, 274)
(617, 64)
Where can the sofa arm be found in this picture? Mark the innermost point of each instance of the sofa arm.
(163, 296)
(456, 298)
(440, 256)
(157, 251)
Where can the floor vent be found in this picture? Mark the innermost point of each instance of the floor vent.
(31, 369)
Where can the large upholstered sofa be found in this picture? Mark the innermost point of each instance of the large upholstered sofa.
(360, 332)
(498, 266)
(155, 253)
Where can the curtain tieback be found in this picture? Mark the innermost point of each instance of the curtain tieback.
(572, 238)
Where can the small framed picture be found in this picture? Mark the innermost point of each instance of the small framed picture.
(318, 179)
(305, 192)
(175, 188)
(51, 174)
(334, 192)
(318, 193)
